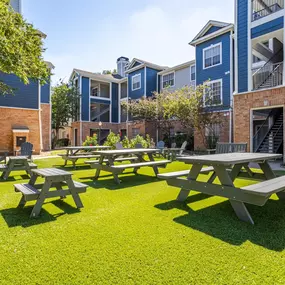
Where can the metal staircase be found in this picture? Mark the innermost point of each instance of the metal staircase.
(273, 139)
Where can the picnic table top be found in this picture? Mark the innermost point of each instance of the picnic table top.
(125, 151)
(20, 157)
(51, 172)
(172, 148)
(228, 158)
(87, 147)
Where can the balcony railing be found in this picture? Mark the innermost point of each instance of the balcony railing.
(268, 76)
(262, 8)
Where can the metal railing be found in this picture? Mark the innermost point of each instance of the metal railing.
(268, 76)
(262, 8)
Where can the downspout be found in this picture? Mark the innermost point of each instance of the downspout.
(40, 116)
(80, 116)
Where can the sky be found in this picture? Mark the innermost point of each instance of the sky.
(92, 34)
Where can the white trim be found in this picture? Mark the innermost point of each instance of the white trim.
(231, 85)
(110, 106)
(145, 81)
(18, 108)
(177, 67)
(191, 81)
(212, 35)
(172, 72)
(266, 19)
(221, 54)
(40, 116)
(249, 48)
(259, 90)
(80, 119)
(99, 98)
(140, 76)
(221, 96)
(50, 123)
(119, 104)
(236, 47)
(20, 131)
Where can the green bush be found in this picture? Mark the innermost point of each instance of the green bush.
(91, 141)
(112, 139)
(126, 142)
(139, 140)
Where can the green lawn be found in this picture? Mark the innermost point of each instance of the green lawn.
(136, 233)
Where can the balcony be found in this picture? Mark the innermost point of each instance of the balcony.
(262, 8)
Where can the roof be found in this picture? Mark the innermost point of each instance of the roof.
(143, 63)
(98, 76)
(177, 67)
(49, 65)
(201, 36)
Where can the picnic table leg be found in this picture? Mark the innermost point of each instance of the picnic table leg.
(239, 207)
(193, 175)
(140, 159)
(267, 170)
(7, 171)
(22, 202)
(115, 175)
(97, 173)
(58, 186)
(74, 193)
(154, 167)
(28, 169)
(39, 203)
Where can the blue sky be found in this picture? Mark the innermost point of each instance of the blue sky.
(92, 34)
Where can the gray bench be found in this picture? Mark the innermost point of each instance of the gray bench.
(74, 158)
(119, 159)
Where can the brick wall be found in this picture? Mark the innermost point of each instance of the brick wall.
(46, 125)
(244, 103)
(12, 118)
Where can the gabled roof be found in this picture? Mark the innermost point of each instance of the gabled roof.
(143, 63)
(97, 76)
(177, 67)
(202, 35)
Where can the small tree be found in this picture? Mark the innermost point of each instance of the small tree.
(65, 106)
(112, 139)
(21, 48)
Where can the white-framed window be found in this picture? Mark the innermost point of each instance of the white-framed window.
(168, 80)
(213, 93)
(136, 82)
(193, 75)
(95, 92)
(212, 56)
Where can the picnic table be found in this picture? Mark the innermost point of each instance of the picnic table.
(172, 152)
(16, 163)
(227, 168)
(73, 153)
(135, 156)
(54, 178)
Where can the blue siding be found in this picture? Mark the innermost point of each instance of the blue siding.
(45, 93)
(85, 108)
(212, 30)
(140, 92)
(25, 96)
(242, 50)
(115, 103)
(217, 72)
(268, 27)
(151, 81)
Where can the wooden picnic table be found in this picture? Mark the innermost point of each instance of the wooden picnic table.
(73, 153)
(16, 163)
(227, 167)
(54, 178)
(136, 156)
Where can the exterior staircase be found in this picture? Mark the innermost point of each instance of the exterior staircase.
(274, 137)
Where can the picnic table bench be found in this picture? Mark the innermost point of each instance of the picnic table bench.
(109, 157)
(16, 163)
(73, 153)
(257, 194)
(54, 178)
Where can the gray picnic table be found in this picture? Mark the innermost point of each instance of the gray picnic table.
(16, 163)
(54, 178)
(227, 167)
(108, 158)
(171, 153)
(73, 153)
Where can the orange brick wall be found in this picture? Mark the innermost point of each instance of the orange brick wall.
(46, 126)
(19, 118)
(244, 103)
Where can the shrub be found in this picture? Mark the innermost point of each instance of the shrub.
(91, 141)
(62, 142)
(139, 140)
(126, 142)
(111, 140)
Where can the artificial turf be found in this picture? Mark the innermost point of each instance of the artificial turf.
(136, 233)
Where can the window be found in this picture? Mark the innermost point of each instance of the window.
(213, 130)
(136, 82)
(212, 56)
(193, 76)
(213, 93)
(135, 132)
(168, 80)
(95, 91)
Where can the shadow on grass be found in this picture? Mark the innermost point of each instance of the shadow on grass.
(15, 217)
(12, 178)
(69, 167)
(220, 221)
(127, 179)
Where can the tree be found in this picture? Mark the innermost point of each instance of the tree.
(21, 48)
(186, 105)
(109, 71)
(65, 106)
